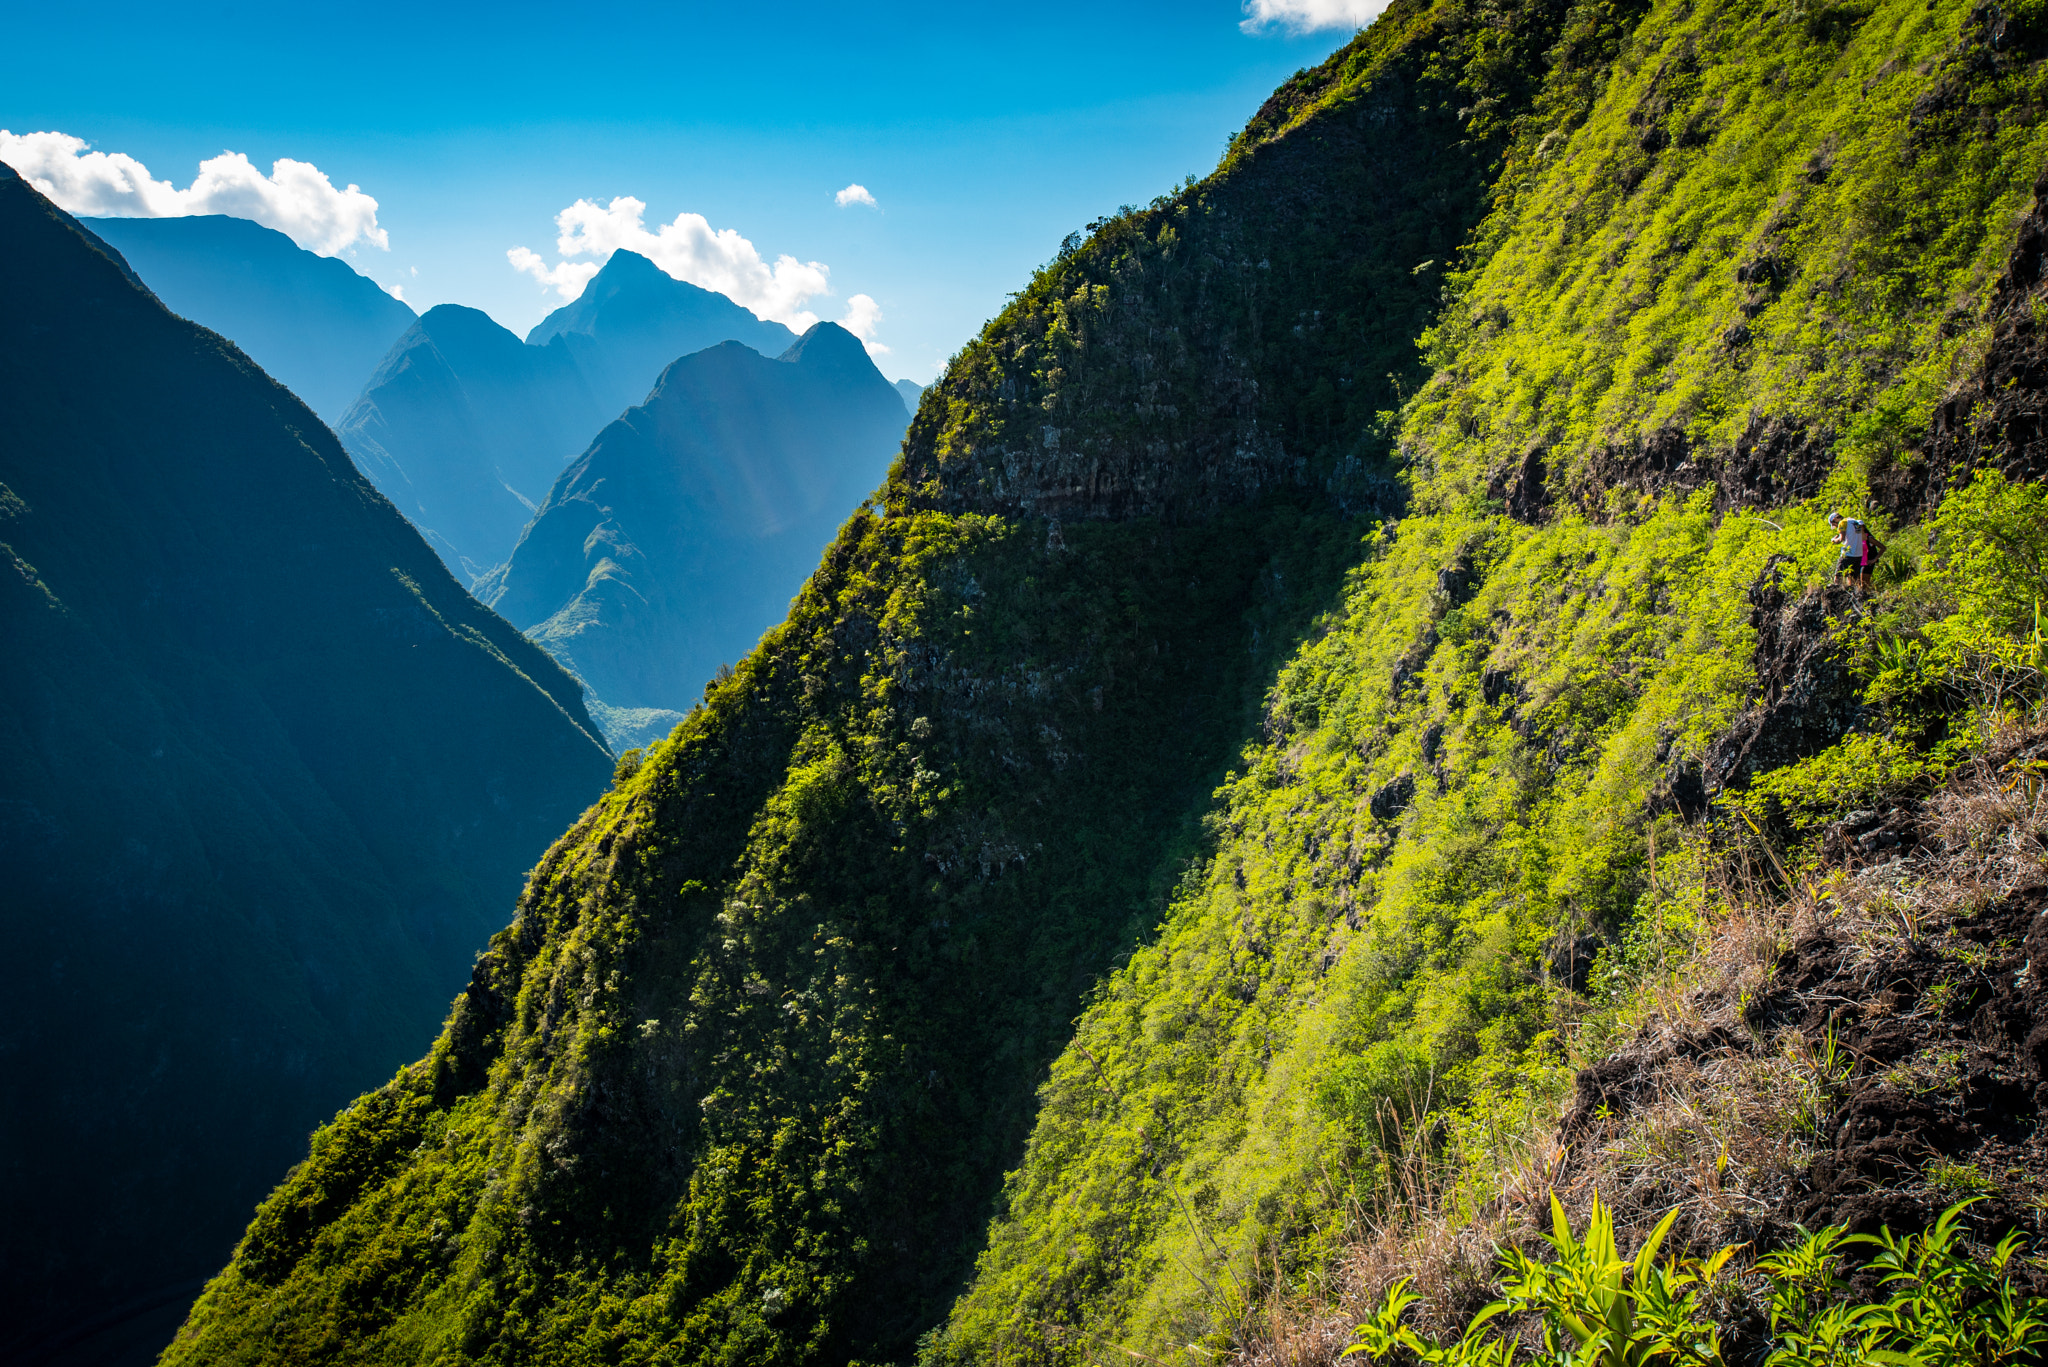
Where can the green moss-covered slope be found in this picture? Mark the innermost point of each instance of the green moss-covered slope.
(742, 1081)
(1746, 277)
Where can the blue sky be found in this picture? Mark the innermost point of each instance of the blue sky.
(984, 134)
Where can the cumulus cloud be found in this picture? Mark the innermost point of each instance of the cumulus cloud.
(855, 194)
(688, 249)
(566, 278)
(296, 198)
(862, 314)
(1308, 16)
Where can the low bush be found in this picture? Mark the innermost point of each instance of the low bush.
(1951, 1306)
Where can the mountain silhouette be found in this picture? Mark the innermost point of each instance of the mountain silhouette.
(671, 544)
(268, 779)
(464, 427)
(633, 318)
(310, 321)
(911, 391)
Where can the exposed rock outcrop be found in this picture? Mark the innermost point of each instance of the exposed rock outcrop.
(1774, 462)
(1806, 698)
(1177, 364)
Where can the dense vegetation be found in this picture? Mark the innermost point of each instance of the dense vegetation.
(267, 777)
(1133, 692)
(1948, 1306)
(1457, 774)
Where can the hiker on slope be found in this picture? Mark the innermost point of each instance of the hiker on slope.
(1859, 550)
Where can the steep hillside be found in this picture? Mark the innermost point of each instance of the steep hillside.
(633, 318)
(267, 778)
(465, 428)
(1465, 637)
(1746, 279)
(311, 322)
(680, 536)
(741, 1081)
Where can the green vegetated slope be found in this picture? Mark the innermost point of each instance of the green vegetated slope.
(1745, 279)
(741, 1081)
(268, 777)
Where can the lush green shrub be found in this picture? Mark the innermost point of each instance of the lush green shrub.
(1951, 1306)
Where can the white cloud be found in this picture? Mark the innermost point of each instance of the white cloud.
(688, 249)
(566, 278)
(296, 198)
(862, 314)
(855, 194)
(1307, 16)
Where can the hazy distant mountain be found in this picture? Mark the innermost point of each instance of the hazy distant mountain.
(633, 318)
(681, 534)
(911, 390)
(310, 321)
(268, 780)
(465, 428)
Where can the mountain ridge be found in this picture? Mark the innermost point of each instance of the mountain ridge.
(633, 318)
(666, 548)
(313, 322)
(921, 816)
(262, 766)
(465, 427)
(468, 432)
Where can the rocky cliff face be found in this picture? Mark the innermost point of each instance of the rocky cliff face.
(1246, 335)
(1806, 695)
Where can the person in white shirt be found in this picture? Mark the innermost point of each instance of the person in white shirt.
(1857, 544)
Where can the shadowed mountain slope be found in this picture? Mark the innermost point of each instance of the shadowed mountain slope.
(465, 428)
(633, 318)
(311, 322)
(268, 777)
(683, 532)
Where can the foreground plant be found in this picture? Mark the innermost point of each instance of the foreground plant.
(1600, 1310)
